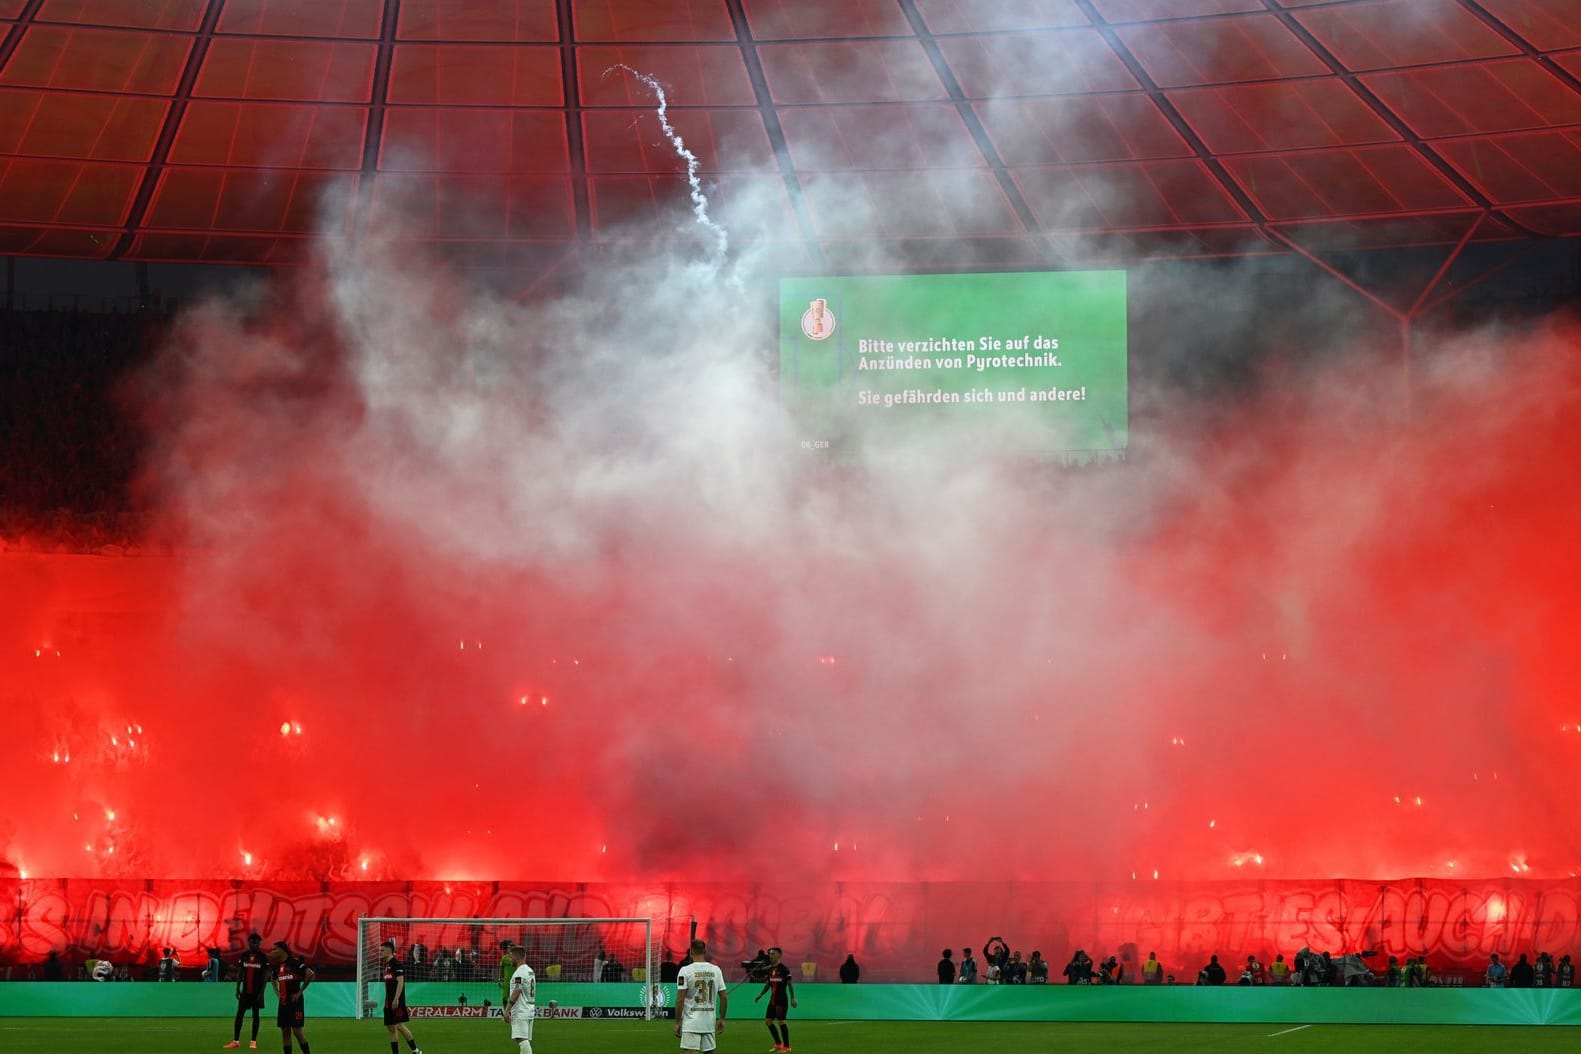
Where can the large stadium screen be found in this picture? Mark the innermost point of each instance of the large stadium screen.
(1029, 363)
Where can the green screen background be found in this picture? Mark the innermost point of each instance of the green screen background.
(1084, 310)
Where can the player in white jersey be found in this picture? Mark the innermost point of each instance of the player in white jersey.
(700, 1001)
(523, 999)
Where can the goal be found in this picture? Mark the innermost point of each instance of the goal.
(455, 963)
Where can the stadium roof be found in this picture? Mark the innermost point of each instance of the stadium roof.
(208, 129)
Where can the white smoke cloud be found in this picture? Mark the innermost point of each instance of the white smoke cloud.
(410, 503)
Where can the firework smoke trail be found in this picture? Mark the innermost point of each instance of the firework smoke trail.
(699, 199)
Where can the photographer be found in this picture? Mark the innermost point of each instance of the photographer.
(996, 953)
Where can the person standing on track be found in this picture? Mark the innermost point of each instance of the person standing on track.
(782, 996)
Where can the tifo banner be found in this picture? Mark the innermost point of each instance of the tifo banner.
(895, 930)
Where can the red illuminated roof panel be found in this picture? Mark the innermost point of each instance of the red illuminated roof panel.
(1153, 10)
(1294, 115)
(1386, 231)
(481, 20)
(86, 127)
(630, 21)
(1523, 168)
(234, 200)
(80, 242)
(991, 16)
(270, 135)
(850, 71)
(106, 60)
(623, 205)
(286, 70)
(185, 246)
(625, 141)
(1557, 220)
(691, 76)
(946, 131)
(1547, 25)
(911, 204)
(486, 208)
(1220, 50)
(1378, 34)
(69, 193)
(1006, 65)
(800, 19)
(131, 14)
(1154, 194)
(306, 18)
(1569, 61)
(476, 75)
(1077, 128)
(1366, 181)
(505, 142)
(852, 138)
(1501, 96)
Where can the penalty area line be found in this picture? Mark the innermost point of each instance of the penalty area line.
(1287, 1031)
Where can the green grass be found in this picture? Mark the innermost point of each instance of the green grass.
(178, 1035)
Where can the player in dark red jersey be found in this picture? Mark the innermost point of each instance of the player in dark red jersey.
(782, 996)
(291, 978)
(396, 1015)
(252, 980)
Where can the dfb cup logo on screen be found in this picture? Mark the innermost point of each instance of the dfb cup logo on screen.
(817, 322)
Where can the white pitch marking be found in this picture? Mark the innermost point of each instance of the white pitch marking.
(1287, 1031)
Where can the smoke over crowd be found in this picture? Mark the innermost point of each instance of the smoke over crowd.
(469, 585)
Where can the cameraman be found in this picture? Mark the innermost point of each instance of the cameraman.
(757, 967)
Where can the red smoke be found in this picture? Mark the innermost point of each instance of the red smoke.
(547, 600)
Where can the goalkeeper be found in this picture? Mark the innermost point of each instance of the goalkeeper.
(507, 968)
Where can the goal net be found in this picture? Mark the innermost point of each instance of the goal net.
(608, 967)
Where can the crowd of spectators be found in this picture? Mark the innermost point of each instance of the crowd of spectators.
(1306, 969)
(70, 442)
(999, 965)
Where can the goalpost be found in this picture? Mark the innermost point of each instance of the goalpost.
(452, 966)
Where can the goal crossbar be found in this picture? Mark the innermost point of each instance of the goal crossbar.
(630, 937)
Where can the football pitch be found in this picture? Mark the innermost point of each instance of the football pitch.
(178, 1035)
